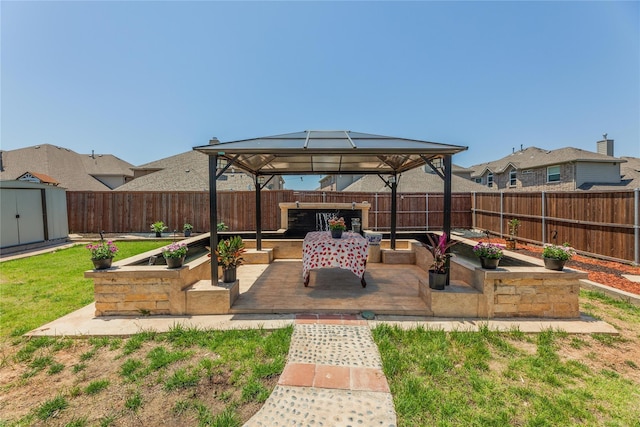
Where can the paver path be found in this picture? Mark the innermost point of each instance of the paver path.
(333, 377)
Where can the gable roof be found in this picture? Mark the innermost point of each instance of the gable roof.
(44, 179)
(187, 171)
(328, 152)
(416, 181)
(76, 172)
(534, 157)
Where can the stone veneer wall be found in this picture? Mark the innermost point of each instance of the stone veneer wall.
(146, 290)
(554, 298)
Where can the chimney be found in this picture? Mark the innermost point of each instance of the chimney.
(605, 146)
(93, 154)
(214, 141)
(1, 162)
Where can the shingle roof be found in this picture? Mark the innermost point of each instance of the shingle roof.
(534, 157)
(73, 171)
(418, 181)
(187, 171)
(629, 173)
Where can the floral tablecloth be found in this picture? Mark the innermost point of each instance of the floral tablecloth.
(320, 250)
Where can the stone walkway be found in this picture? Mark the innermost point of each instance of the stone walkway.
(333, 377)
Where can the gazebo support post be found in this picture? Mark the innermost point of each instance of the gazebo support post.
(394, 210)
(213, 217)
(258, 215)
(446, 223)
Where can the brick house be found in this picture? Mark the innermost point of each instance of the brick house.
(564, 169)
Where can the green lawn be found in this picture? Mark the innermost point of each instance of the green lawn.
(42, 288)
(491, 378)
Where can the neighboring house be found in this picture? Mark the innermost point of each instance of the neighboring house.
(189, 171)
(49, 164)
(564, 169)
(419, 180)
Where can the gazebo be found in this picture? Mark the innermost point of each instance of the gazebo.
(325, 153)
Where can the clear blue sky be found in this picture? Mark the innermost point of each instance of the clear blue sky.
(147, 80)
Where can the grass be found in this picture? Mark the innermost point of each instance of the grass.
(496, 378)
(199, 370)
(190, 376)
(31, 299)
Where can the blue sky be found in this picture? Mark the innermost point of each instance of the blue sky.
(147, 80)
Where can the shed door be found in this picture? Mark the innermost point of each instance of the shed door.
(21, 217)
(8, 220)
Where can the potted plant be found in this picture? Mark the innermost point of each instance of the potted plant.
(439, 268)
(102, 253)
(187, 229)
(174, 254)
(489, 254)
(221, 226)
(514, 224)
(337, 226)
(229, 254)
(556, 256)
(158, 227)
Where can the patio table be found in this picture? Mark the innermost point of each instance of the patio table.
(320, 250)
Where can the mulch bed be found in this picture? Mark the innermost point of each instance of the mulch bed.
(605, 272)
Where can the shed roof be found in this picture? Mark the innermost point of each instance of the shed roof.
(328, 152)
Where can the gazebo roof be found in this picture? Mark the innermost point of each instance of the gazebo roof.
(328, 152)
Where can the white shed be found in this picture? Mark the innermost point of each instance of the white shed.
(31, 215)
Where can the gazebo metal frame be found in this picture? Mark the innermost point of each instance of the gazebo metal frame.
(325, 153)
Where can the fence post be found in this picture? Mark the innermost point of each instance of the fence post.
(544, 223)
(426, 209)
(474, 221)
(501, 212)
(636, 225)
(375, 217)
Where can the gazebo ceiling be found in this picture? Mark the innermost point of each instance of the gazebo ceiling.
(328, 152)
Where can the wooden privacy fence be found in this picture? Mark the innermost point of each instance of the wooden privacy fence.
(133, 212)
(606, 224)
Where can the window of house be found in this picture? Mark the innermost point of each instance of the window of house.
(513, 178)
(553, 174)
(478, 180)
(490, 180)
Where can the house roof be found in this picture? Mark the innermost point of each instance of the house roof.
(629, 177)
(187, 171)
(416, 181)
(328, 152)
(76, 172)
(534, 157)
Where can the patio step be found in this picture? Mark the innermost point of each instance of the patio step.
(204, 298)
(398, 256)
(253, 256)
(459, 299)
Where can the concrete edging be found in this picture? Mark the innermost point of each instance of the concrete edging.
(611, 292)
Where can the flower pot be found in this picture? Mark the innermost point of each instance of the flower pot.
(553, 264)
(229, 275)
(437, 280)
(336, 234)
(510, 244)
(101, 264)
(175, 262)
(489, 263)
(158, 234)
(187, 233)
